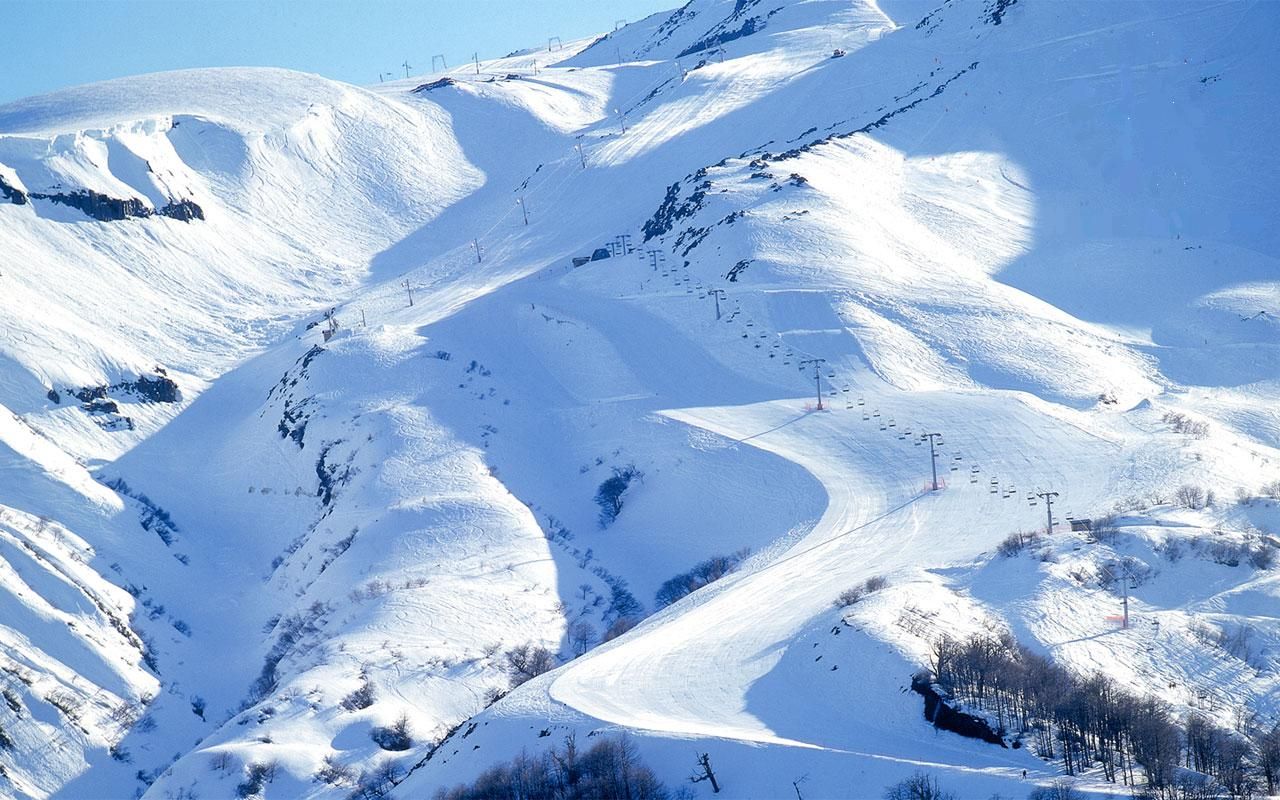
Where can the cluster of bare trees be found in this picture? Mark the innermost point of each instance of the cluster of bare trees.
(528, 661)
(1181, 423)
(1090, 722)
(610, 768)
(702, 574)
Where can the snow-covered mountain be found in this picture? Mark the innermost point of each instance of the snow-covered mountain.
(331, 415)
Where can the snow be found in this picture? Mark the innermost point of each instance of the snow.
(1037, 238)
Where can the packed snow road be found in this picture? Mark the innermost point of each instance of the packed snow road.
(690, 670)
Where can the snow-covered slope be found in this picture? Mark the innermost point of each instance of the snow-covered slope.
(1041, 231)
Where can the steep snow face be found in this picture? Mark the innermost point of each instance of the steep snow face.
(157, 231)
(165, 224)
(964, 215)
(701, 31)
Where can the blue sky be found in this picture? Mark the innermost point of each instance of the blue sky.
(49, 44)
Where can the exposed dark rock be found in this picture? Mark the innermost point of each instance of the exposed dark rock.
(333, 475)
(433, 85)
(947, 718)
(102, 406)
(672, 209)
(738, 269)
(152, 517)
(996, 11)
(296, 413)
(185, 210)
(104, 207)
(157, 388)
(99, 206)
(750, 26)
(12, 193)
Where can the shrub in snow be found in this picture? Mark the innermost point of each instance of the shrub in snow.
(1228, 553)
(527, 661)
(609, 495)
(713, 569)
(1015, 543)
(920, 786)
(581, 636)
(1103, 530)
(622, 603)
(395, 737)
(1262, 555)
(1171, 549)
(855, 594)
(256, 776)
(619, 626)
(1271, 490)
(361, 697)
(1182, 423)
(378, 781)
(1058, 790)
(333, 772)
(1190, 496)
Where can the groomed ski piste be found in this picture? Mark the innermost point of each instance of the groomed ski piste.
(233, 532)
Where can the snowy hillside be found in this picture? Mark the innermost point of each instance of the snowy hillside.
(679, 303)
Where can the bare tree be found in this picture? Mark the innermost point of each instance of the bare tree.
(920, 786)
(528, 661)
(581, 636)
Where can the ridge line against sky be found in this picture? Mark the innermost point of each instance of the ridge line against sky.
(54, 44)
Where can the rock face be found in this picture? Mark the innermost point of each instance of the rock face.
(185, 210)
(104, 207)
(12, 194)
(947, 718)
(148, 388)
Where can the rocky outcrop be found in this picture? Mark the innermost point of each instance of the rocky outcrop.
(12, 193)
(947, 718)
(104, 207)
